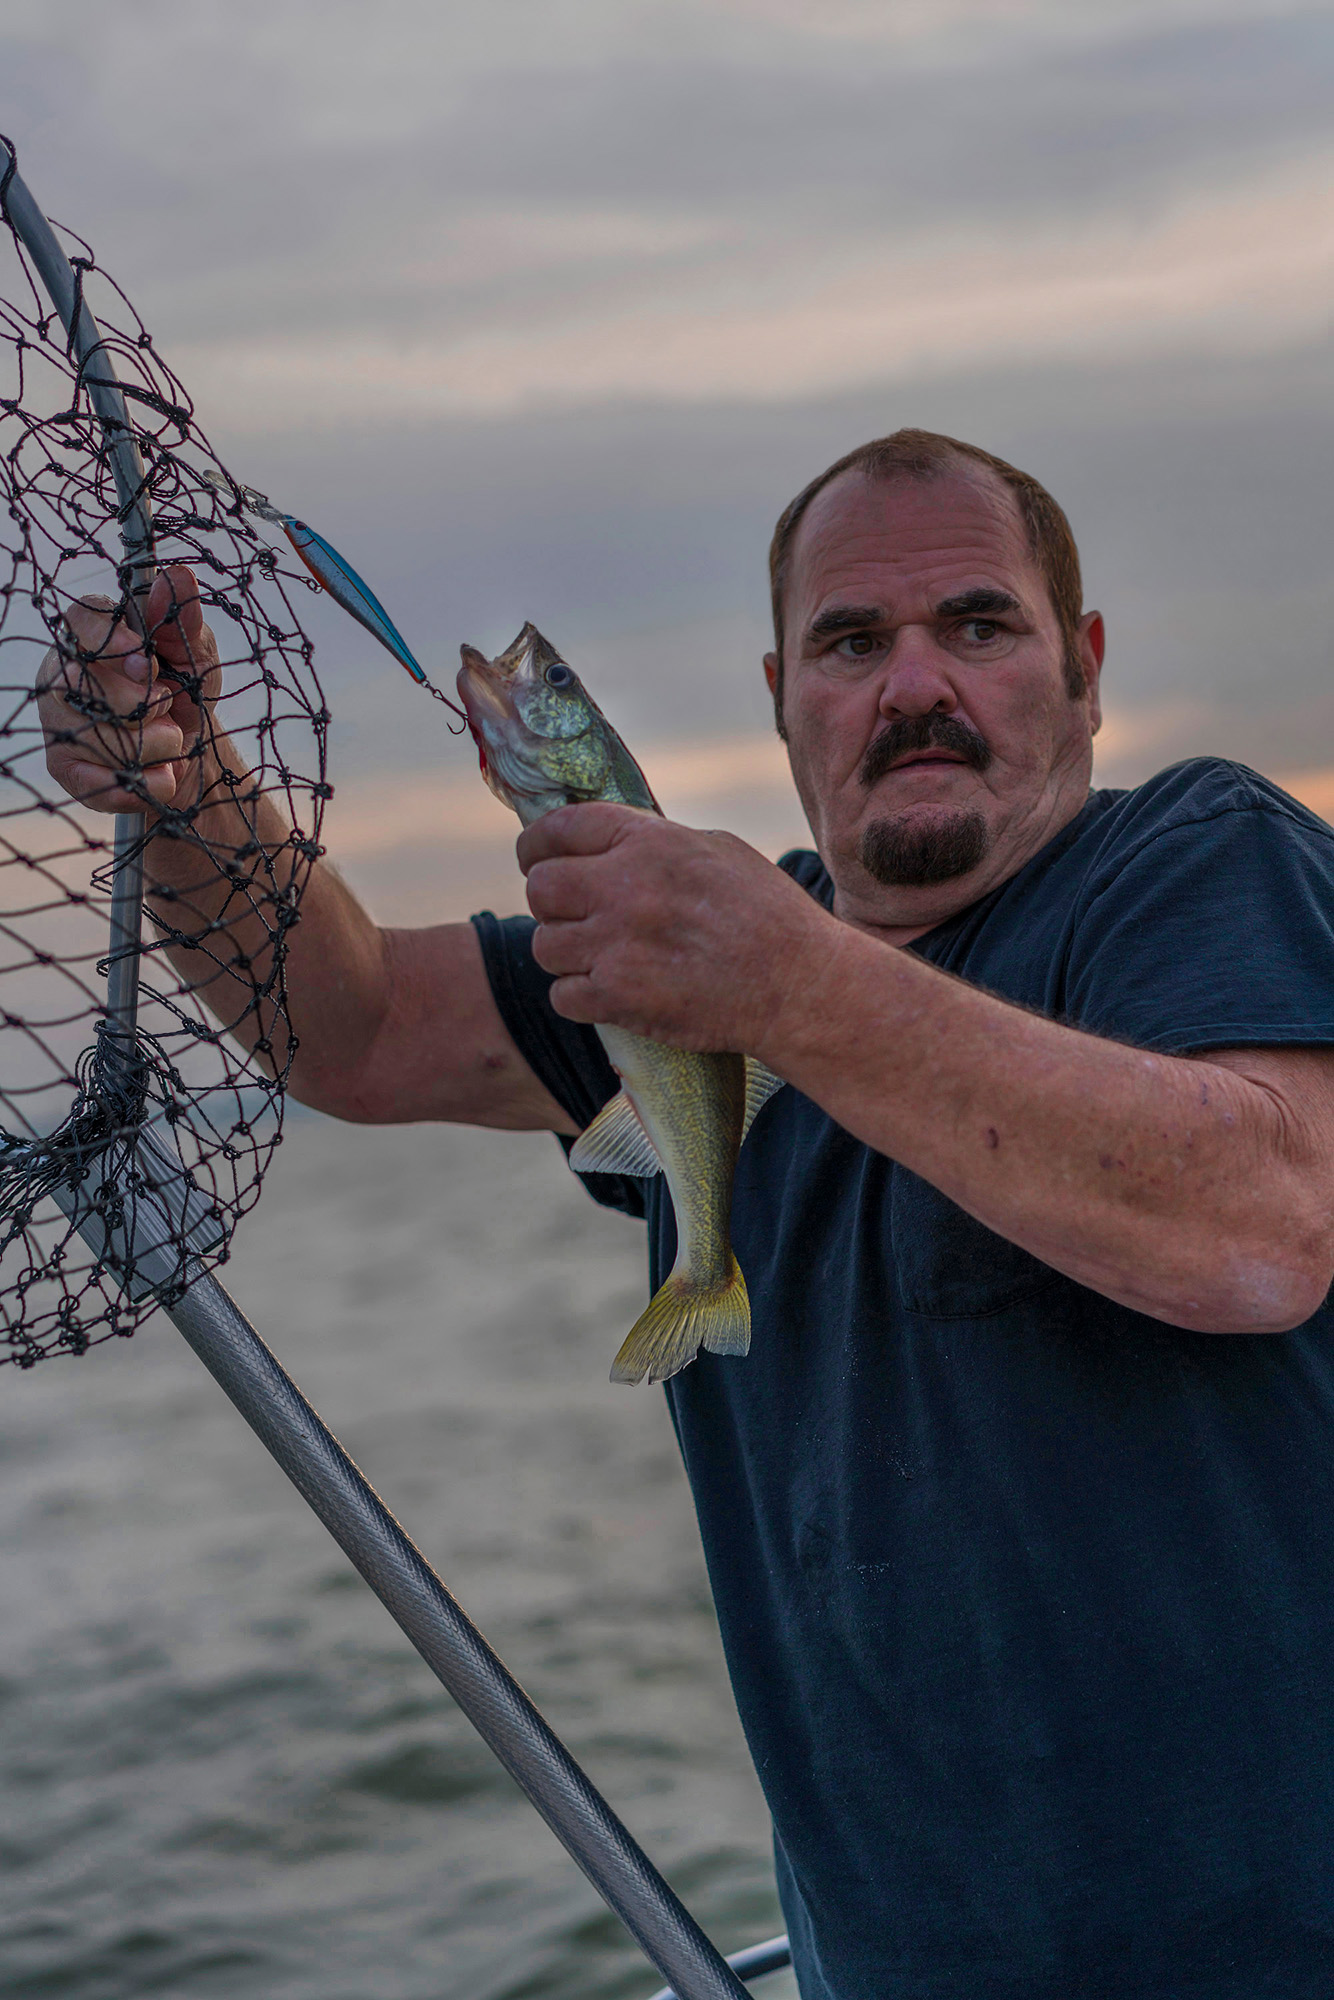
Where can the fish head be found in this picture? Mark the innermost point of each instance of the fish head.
(542, 739)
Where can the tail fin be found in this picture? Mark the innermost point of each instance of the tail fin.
(681, 1318)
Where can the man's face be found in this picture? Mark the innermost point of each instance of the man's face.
(933, 739)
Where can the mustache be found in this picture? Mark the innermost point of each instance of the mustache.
(923, 732)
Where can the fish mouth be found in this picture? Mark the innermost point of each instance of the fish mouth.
(483, 692)
(485, 686)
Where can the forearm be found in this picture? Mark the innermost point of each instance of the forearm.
(390, 1026)
(1174, 1186)
(384, 1025)
(224, 883)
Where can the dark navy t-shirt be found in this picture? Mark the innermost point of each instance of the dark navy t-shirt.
(1028, 1599)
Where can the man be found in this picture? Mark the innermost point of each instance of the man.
(1026, 1578)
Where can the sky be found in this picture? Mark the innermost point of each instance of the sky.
(544, 309)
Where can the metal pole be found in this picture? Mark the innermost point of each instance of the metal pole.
(136, 533)
(127, 917)
(140, 1245)
(450, 1643)
(140, 1238)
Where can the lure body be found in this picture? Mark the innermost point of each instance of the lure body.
(336, 575)
(331, 571)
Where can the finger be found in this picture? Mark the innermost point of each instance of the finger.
(574, 999)
(586, 829)
(132, 745)
(174, 615)
(90, 620)
(102, 768)
(81, 730)
(95, 645)
(562, 949)
(103, 790)
(94, 722)
(559, 890)
(100, 657)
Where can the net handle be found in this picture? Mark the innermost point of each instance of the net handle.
(65, 286)
(335, 1489)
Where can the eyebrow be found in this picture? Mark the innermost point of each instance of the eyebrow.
(979, 603)
(845, 618)
(986, 601)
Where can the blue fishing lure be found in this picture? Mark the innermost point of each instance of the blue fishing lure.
(335, 574)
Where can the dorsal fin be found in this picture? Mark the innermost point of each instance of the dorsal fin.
(528, 646)
(544, 653)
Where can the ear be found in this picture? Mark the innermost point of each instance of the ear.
(1091, 641)
(773, 674)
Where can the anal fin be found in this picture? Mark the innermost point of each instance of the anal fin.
(616, 1143)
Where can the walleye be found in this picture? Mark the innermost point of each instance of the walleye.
(543, 743)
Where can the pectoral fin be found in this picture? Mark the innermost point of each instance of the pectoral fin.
(616, 1143)
(761, 1083)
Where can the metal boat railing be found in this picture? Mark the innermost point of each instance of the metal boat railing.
(754, 1962)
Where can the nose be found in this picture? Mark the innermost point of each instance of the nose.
(917, 678)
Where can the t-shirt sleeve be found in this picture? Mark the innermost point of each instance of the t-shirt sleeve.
(565, 1055)
(1213, 931)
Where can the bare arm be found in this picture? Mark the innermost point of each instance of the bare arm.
(392, 1026)
(1199, 1191)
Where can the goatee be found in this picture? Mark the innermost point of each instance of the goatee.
(903, 852)
(907, 856)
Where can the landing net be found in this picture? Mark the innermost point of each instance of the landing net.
(92, 1116)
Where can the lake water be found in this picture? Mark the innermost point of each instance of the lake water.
(224, 1770)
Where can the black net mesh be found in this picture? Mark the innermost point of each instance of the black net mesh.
(97, 1118)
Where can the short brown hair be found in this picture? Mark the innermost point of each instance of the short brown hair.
(910, 454)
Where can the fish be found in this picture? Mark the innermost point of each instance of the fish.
(544, 742)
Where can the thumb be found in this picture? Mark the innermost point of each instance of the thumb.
(174, 616)
(592, 827)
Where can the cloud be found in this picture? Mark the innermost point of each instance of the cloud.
(589, 202)
(544, 309)
(471, 199)
(1244, 270)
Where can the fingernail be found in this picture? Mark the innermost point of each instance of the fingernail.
(135, 667)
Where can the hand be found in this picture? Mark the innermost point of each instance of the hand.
(109, 711)
(688, 938)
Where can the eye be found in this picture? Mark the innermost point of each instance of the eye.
(558, 675)
(857, 644)
(982, 630)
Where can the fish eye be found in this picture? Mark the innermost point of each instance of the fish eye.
(558, 675)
